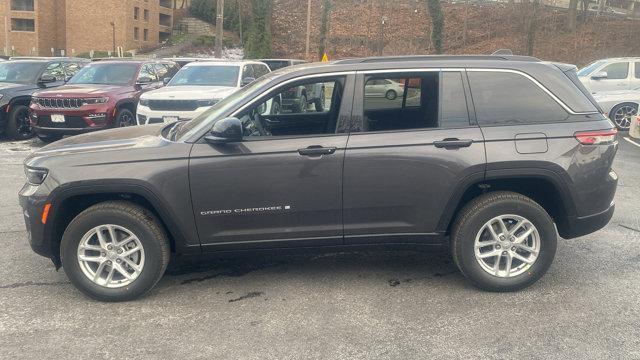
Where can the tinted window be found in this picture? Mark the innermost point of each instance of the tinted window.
(638, 70)
(260, 70)
(148, 72)
(161, 70)
(453, 102)
(277, 64)
(508, 98)
(280, 115)
(399, 103)
(617, 71)
(71, 69)
(56, 70)
(108, 74)
(20, 72)
(247, 72)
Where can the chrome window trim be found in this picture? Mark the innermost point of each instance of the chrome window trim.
(536, 82)
(300, 78)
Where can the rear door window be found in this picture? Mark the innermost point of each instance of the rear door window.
(453, 101)
(638, 70)
(503, 98)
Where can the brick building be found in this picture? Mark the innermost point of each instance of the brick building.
(35, 27)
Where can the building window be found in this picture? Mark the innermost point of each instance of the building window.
(22, 5)
(145, 35)
(166, 4)
(165, 20)
(136, 33)
(136, 13)
(146, 15)
(23, 25)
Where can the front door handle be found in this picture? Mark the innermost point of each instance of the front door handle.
(317, 150)
(452, 143)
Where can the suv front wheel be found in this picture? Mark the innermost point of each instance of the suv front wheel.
(115, 251)
(503, 241)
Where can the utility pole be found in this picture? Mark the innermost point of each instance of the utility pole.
(219, 27)
(113, 26)
(306, 52)
(6, 35)
(240, 21)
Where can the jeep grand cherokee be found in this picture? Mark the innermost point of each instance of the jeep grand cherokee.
(485, 155)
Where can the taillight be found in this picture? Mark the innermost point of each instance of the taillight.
(598, 137)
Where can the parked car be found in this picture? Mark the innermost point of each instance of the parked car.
(19, 79)
(102, 95)
(611, 74)
(384, 88)
(621, 106)
(182, 61)
(472, 166)
(195, 88)
(299, 98)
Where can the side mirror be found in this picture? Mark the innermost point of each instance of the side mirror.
(144, 81)
(227, 130)
(600, 75)
(47, 78)
(166, 80)
(246, 81)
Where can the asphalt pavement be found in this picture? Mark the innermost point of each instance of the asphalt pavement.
(371, 305)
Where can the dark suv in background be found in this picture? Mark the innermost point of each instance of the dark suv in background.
(19, 78)
(484, 155)
(103, 94)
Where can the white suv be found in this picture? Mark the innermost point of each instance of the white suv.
(195, 88)
(611, 74)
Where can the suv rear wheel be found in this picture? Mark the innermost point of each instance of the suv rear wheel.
(503, 241)
(115, 251)
(18, 125)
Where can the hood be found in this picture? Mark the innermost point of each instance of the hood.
(14, 86)
(83, 90)
(121, 138)
(190, 93)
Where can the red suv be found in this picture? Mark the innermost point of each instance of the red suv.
(102, 95)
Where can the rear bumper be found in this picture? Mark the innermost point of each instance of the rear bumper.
(580, 226)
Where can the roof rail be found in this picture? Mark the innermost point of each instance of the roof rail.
(436, 58)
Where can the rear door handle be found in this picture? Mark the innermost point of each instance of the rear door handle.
(452, 143)
(317, 150)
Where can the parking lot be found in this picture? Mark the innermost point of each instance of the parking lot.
(338, 306)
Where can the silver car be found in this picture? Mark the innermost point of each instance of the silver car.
(621, 105)
(611, 74)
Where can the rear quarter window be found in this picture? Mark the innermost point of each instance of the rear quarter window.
(504, 98)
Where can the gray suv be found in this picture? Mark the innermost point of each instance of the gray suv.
(483, 155)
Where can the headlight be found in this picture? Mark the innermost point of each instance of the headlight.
(100, 100)
(203, 103)
(35, 176)
(144, 102)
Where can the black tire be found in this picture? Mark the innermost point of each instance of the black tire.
(472, 218)
(391, 95)
(18, 123)
(627, 121)
(124, 118)
(142, 223)
(48, 138)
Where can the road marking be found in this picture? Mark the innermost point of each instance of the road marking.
(631, 141)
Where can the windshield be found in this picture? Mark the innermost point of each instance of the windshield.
(106, 74)
(20, 72)
(207, 75)
(589, 68)
(215, 112)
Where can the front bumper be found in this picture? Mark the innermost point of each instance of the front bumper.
(32, 209)
(145, 116)
(77, 121)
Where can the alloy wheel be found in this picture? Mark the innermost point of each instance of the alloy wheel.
(624, 115)
(111, 256)
(23, 125)
(507, 246)
(125, 119)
